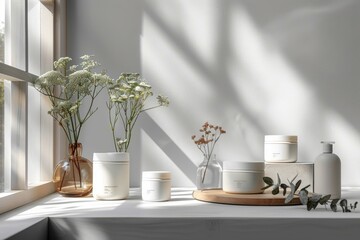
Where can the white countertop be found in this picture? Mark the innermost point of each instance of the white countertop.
(181, 206)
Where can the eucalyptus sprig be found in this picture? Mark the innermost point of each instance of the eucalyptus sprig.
(311, 201)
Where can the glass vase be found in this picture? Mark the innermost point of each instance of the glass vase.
(73, 176)
(209, 173)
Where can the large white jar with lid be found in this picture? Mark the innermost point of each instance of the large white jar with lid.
(111, 175)
(243, 177)
(327, 172)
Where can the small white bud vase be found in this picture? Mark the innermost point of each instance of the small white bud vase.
(327, 172)
(156, 186)
(111, 175)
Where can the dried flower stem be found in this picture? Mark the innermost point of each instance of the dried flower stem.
(210, 135)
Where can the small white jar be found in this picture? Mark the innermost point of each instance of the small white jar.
(156, 186)
(243, 177)
(111, 175)
(280, 148)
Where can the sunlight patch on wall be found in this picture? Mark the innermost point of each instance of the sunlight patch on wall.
(252, 89)
(155, 159)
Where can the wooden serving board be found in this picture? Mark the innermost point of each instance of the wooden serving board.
(264, 199)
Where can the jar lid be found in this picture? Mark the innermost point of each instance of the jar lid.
(245, 166)
(111, 157)
(281, 138)
(163, 175)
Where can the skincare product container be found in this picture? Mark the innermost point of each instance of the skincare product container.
(327, 172)
(243, 177)
(280, 148)
(156, 186)
(111, 175)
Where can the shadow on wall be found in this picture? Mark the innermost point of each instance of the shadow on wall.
(258, 70)
(254, 68)
(173, 152)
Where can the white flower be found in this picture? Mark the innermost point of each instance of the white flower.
(79, 82)
(143, 84)
(123, 96)
(139, 89)
(50, 79)
(73, 68)
(163, 100)
(62, 62)
(101, 79)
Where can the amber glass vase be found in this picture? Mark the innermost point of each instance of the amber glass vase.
(73, 176)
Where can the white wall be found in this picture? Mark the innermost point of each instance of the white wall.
(255, 67)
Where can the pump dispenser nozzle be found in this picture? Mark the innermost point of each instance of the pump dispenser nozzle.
(327, 146)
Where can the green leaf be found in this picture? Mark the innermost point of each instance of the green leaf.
(333, 205)
(343, 205)
(266, 187)
(324, 199)
(284, 187)
(309, 205)
(294, 178)
(315, 197)
(312, 204)
(304, 188)
(275, 190)
(297, 185)
(292, 188)
(289, 198)
(279, 180)
(303, 195)
(268, 181)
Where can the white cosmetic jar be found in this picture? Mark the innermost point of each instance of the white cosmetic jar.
(243, 177)
(156, 186)
(280, 148)
(111, 175)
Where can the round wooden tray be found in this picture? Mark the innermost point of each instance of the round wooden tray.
(264, 199)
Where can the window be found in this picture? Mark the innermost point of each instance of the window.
(2, 48)
(26, 130)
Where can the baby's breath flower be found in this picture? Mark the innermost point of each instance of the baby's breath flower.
(73, 68)
(101, 79)
(163, 100)
(62, 62)
(50, 79)
(128, 94)
(66, 87)
(80, 82)
(139, 89)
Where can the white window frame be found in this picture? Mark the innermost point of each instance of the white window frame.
(52, 37)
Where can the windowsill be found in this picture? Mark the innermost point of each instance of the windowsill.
(14, 199)
(182, 209)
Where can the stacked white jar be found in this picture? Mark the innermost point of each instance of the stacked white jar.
(280, 148)
(156, 186)
(111, 175)
(243, 177)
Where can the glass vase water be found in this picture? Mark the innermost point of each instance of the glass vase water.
(73, 176)
(209, 173)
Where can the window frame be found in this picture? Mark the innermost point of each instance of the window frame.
(16, 94)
